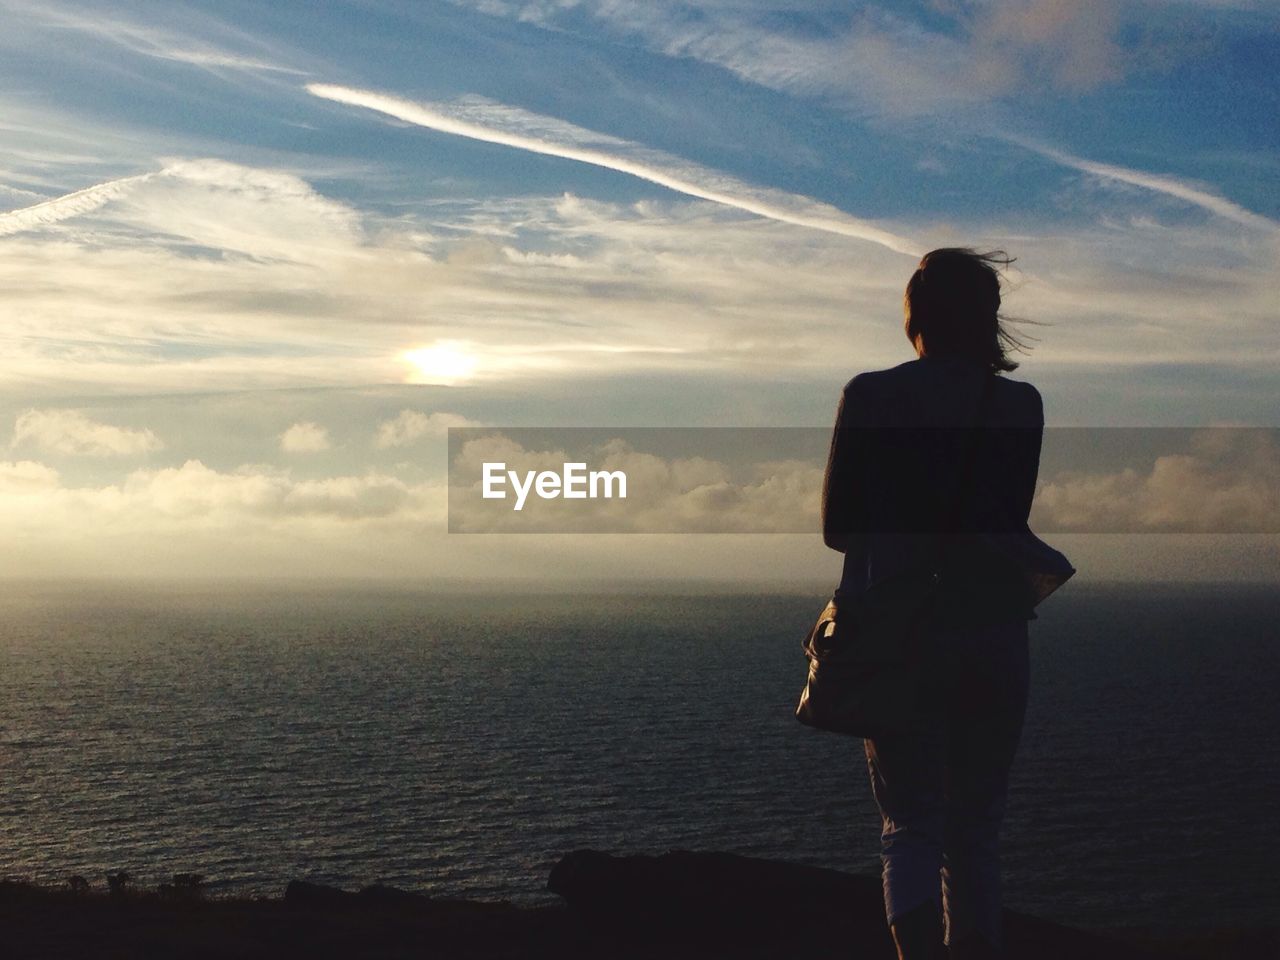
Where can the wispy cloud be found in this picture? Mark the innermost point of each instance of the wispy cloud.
(1159, 183)
(68, 205)
(265, 213)
(509, 126)
(149, 41)
(230, 277)
(877, 56)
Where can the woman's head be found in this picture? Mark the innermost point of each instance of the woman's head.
(952, 307)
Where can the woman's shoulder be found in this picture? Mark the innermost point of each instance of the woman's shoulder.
(1019, 398)
(931, 388)
(870, 382)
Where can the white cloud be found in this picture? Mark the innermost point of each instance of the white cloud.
(26, 477)
(1159, 183)
(150, 41)
(149, 501)
(1066, 44)
(197, 494)
(305, 437)
(498, 123)
(72, 432)
(410, 426)
(269, 284)
(227, 206)
(1228, 481)
(875, 57)
(69, 205)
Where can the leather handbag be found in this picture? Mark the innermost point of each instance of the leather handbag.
(864, 659)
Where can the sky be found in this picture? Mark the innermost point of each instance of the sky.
(257, 259)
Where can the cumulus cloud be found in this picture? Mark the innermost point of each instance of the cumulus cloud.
(73, 433)
(410, 426)
(305, 437)
(26, 477)
(509, 126)
(1227, 481)
(199, 494)
(148, 501)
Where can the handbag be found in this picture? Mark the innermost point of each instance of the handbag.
(864, 660)
(864, 654)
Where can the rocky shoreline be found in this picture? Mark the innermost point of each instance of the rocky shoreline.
(678, 905)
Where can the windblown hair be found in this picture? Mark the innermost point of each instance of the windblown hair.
(952, 304)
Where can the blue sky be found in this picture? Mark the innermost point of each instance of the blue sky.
(244, 242)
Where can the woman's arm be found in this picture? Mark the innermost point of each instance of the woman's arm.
(1028, 465)
(839, 494)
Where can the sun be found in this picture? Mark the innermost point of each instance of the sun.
(444, 362)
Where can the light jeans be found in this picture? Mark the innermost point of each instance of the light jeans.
(942, 794)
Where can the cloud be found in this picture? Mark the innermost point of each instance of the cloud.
(305, 437)
(1228, 481)
(509, 126)
(26, 477)
(228, 206)
(69, 205)
(1065, 44)
(198, 494)
(875, 57)
(1159, 183)
(226, 277)
(196, 520)
(150, 41)
(73, 433)
(222, 276)
(410, 426)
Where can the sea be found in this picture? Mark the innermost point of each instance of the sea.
(460, 744)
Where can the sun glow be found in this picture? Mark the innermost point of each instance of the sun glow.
(445, 362)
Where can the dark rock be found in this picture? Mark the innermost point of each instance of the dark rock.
(380, 893)
(719, 896)
(727, 902)
(302, 893)
(118, 883)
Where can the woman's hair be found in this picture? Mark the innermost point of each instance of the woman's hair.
(952, 304)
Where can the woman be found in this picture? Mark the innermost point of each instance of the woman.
(922, 490)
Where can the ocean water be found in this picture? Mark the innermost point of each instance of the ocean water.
(460, 744)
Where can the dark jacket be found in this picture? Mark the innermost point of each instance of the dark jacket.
(910, 483)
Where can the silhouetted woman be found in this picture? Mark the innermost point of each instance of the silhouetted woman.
(892, 498)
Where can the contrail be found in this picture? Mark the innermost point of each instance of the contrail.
(662, 169)
(67, 205)
(1158, 183)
